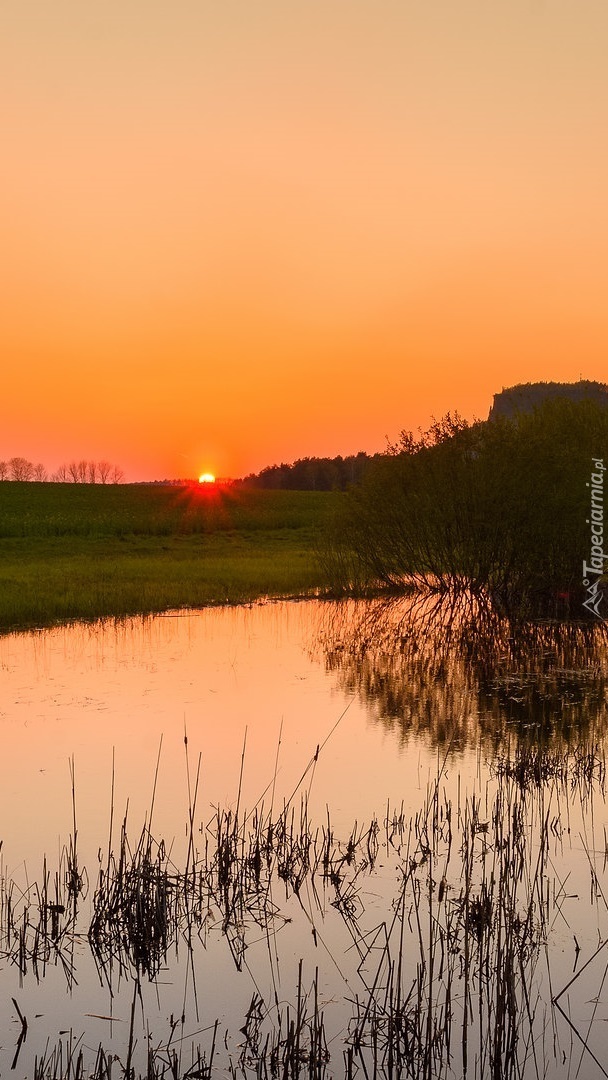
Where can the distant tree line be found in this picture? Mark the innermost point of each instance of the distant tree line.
(74, 472)
(312, 473)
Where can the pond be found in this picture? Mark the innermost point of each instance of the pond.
(304, 839)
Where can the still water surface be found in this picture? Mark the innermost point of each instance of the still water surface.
(420, 763)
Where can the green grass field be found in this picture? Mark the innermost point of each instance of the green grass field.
(85, 551)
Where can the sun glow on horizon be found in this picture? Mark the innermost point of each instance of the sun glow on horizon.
(236, 245)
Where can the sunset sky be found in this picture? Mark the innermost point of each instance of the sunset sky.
(238, 232)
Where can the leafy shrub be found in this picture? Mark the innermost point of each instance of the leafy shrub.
(499, 506)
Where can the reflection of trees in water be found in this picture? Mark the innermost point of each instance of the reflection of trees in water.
(453, 671)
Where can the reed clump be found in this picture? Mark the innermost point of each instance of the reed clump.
(134, 907)
(38, 920)
(446, 969)
(143, 904)
(536, 765)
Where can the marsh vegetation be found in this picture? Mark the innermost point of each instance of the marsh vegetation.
(457, 930)
(409, 880)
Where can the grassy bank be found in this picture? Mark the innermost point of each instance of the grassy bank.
(80, 551)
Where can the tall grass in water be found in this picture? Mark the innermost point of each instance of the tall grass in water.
(450, 977)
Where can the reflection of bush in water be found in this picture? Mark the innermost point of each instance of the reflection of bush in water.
(557, 699)
(455, 672)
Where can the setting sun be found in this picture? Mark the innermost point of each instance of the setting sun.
(206, 478)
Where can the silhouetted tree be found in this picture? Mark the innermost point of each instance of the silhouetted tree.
(20, 468)
(104, 469)
(89, 472)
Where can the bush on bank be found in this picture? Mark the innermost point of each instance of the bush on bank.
(501, 507)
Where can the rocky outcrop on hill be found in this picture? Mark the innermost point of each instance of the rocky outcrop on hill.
(525, 397)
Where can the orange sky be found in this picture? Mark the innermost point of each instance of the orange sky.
(243, 232)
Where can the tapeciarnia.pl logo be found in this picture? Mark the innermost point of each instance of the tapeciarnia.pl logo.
(594, 569)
